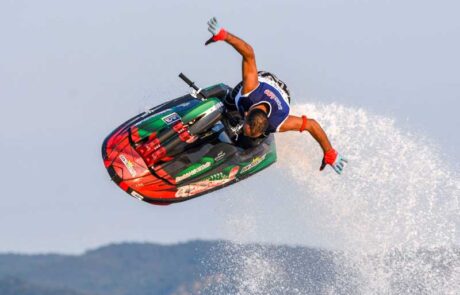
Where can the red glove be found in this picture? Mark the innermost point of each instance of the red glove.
(218, 33)
(331, 157)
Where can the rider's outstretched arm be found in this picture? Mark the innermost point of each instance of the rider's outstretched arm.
(294, 123)
(249, 67)
(250, 79)
(331, 157)
(241, 46)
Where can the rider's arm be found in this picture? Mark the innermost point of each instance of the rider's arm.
(250, 79)
(294, 123)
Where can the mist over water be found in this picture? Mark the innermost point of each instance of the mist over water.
(391, 219)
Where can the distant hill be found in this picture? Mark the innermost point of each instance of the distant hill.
(218, 267)
(145, 269)
(15, 286)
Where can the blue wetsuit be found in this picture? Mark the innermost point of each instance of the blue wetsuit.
(271, 92)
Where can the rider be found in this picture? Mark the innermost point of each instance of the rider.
(264, 102)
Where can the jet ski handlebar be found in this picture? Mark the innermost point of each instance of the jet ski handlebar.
(192, 85)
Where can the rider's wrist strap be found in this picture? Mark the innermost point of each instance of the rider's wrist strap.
(304, 123)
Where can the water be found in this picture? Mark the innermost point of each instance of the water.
(391, 219)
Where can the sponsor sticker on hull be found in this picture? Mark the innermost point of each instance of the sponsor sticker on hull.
(219, 156)
(256, 161)
(137, 196)
(199, 187)
(129, 165)
(193, 172)
(171, 118)
(211, 182)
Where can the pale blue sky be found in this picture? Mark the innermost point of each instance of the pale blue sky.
(71, 71)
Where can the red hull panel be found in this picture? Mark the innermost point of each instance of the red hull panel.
(129, 170)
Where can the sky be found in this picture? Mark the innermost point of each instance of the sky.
(72, 71)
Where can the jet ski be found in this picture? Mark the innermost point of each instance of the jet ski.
(184, 148)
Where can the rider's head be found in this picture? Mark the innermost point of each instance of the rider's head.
(256, 123)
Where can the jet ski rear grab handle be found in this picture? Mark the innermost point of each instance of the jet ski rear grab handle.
(196, 90)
